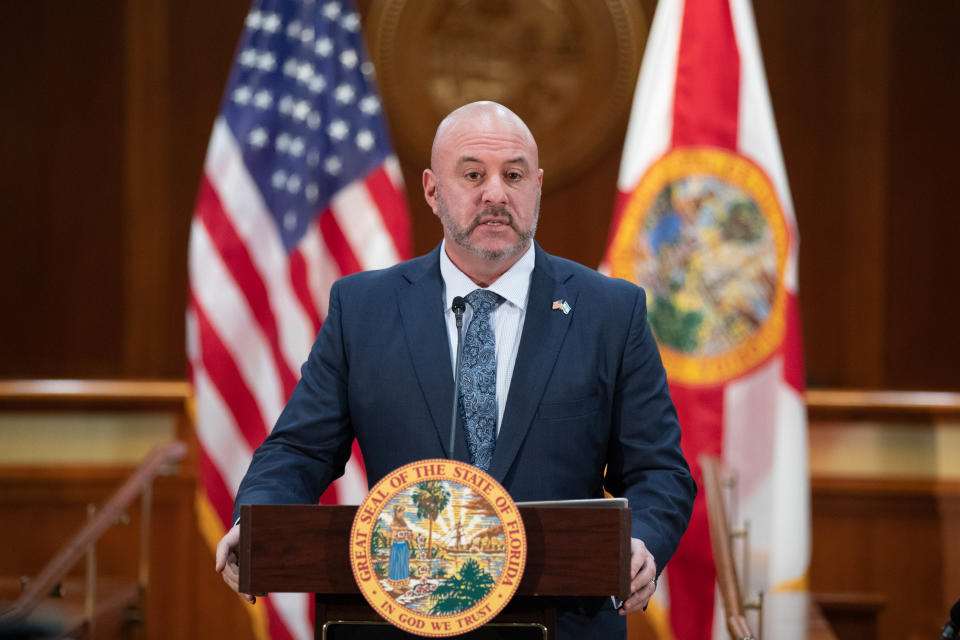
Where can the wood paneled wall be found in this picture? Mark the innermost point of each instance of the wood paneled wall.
(108, 106)
(889, 538)
(894, 539)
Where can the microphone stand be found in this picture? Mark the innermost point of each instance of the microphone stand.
(459, 306)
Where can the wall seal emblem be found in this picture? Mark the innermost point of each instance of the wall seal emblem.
(567, 67)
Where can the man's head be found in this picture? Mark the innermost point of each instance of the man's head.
(484, 184)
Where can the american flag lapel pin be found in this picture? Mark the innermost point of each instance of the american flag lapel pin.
(562, 306)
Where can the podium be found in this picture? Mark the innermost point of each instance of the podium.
(571, 551)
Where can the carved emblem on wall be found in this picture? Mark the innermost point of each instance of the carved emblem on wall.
(567, 67)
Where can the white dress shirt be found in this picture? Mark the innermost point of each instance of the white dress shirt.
(506, 320)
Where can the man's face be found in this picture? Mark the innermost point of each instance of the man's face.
(486, 189)
(493, 233)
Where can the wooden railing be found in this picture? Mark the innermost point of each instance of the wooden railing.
(82, 544)
(859, 402)
(720, 541)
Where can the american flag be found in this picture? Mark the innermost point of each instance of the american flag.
(300, 187)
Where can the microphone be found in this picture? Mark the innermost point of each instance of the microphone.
(459, 306)
(951, 630)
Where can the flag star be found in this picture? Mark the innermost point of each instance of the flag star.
(313, 158)
(248, 57)
(349, 59)
(306, 36)
(267, 62)
(305, 72)
(293, 184)
(293, 29)
(271, 23)
(367, 68)
(258, 138)
(344, 93)
(313, 120)
(301, 110)
(263, 99)
(365, 139)
(283, 142)
(290, 220)
(312, 192)
(331, 10)
(338, 129)
(317, 84)
(290, 67)
(296, 147)
(324, 46)
(253, 20)
(242, 95)
(332, 165)
(286, 105)
(370, 105)
(279, 179)
(351, 22)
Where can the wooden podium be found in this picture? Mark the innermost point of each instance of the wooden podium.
(571, 551)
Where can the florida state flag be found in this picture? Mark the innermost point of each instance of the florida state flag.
(704, 222)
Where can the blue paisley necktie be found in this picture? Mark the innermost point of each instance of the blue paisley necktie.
(478, 379)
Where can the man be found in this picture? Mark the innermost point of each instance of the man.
(578, 386)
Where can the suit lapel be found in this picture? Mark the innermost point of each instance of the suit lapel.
(421, 312)
(544, 329)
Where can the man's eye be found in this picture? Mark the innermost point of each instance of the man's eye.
(514, 175)
(473, 175)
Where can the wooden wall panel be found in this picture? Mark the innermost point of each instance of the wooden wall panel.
(887, 537)
(61, 238)
(109, 107)
(922, 229)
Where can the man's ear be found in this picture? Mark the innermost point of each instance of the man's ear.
(430, 189)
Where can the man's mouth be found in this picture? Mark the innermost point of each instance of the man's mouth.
(494, 219)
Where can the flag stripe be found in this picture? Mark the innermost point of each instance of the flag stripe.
(218, 435)
(393, 210)
(337, 244)
(322, 270)
(793, 346)
(692, 575)
(692, 572)
(216, 295)
(236, 258)
(361, 224)
(277, 621)
(220, 498)
(351, 487)
(299, 280)
(649, 131)
(758, 138)
(226, 378)
(708, 77)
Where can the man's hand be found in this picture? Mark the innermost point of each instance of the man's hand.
(643, 568)
(227, 565)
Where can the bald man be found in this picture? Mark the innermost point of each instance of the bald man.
(576, 387)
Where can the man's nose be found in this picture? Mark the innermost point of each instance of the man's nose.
(493, 191)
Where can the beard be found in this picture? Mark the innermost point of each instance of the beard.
(461, 234)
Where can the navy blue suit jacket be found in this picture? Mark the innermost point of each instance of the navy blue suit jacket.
(588, 392)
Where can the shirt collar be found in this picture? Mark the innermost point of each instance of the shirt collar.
(514, 285)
